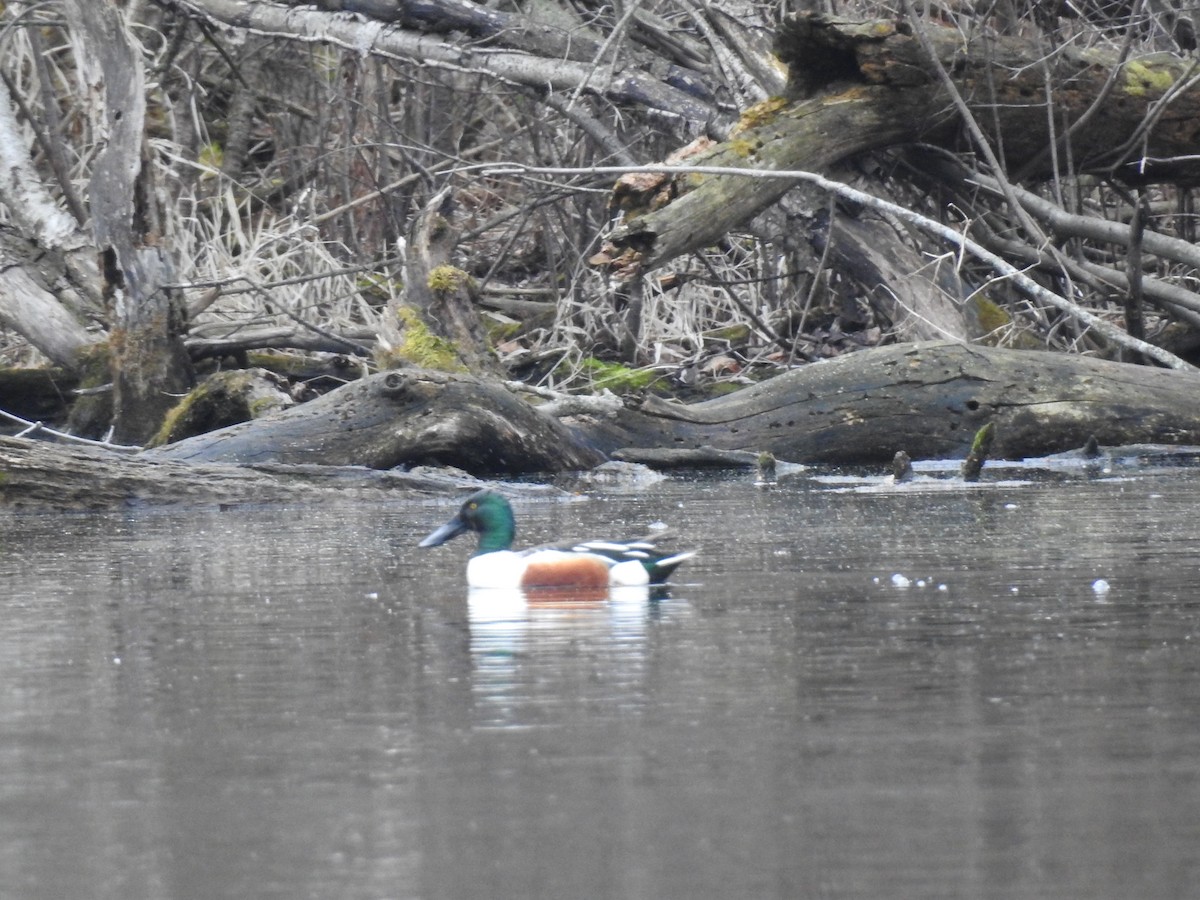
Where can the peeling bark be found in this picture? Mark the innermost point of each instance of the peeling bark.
(151, 367)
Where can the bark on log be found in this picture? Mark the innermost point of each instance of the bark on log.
(401, 418)
(928, 399)
(879, 89)
(41, 475)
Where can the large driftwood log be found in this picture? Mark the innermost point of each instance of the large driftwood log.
(401, 418)
(928, 399)
(40, 475)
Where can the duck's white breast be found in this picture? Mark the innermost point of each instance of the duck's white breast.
(502, 569)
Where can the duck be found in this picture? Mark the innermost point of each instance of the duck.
(589, 565)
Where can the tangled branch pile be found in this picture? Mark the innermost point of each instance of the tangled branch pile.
(288, 149)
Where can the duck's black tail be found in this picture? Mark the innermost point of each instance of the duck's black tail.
(660, 569)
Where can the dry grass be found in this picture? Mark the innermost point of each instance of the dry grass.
(342, 151)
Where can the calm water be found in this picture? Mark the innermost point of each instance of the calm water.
(294, 702)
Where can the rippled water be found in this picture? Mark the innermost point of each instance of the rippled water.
(295, 702)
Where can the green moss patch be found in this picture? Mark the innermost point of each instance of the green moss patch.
(421, 347)
(1142, 78)
(449, 280)
(618, 378)
(224, 399)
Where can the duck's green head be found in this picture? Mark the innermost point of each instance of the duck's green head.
(485, 512)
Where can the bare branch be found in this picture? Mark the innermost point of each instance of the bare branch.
(21, 189)
(372, 37)
(1022, 281)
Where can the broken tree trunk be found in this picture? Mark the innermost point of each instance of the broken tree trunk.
(151, 368)
(878, 88)
(436, 323)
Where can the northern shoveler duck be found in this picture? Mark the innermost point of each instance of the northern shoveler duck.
(588, 565)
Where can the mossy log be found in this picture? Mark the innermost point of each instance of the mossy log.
(224, 398)
(401, 418)
(857, 86)
(928, 399)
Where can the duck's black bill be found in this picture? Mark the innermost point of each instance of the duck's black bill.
(451, 529)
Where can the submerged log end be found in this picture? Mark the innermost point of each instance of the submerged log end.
(981, 448)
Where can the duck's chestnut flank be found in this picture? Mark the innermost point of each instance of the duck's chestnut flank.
(581, 571)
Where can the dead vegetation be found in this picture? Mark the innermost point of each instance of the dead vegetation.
(292, 149)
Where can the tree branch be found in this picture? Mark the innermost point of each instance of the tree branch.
(629, 86)
(1023, 282)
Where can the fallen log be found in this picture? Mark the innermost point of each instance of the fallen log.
(857, 86)
(928, 399)
(406, 417)
(38, 474)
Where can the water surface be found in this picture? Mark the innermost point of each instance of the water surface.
(294, 701)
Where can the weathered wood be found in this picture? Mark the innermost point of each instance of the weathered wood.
(629, 84)
(26, 306)
(40, 246)
(40, 475)
(876, 87)
(811, 135)
(689, 458)
(150, 365)
(914, 294)
(928, 399)
(435, 324)
(224, 398)
(401, 418)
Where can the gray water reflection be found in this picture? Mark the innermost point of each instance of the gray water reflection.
(294, 702)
